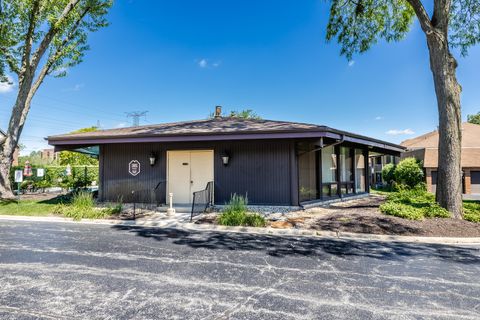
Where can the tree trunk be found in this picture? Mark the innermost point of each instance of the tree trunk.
(15, 127)
(447, 89)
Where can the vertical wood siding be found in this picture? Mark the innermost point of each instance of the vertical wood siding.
(260, 169)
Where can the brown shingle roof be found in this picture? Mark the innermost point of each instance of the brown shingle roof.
(470, 138)
(222, 128)
(197, 127)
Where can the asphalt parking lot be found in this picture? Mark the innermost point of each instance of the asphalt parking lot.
(79, 271)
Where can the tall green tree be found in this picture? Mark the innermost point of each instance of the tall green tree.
(359, 24)
(76, 158)
(474, 118)
(40, 38)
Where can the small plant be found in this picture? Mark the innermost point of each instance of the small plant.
(471, 211)
(82, 206)
(83, 200)
(235, 214)
(117, 207)
(237, 203)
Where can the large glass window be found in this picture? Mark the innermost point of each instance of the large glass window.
(346, 170)
(329, 172)
(359, 171)
(307, 173)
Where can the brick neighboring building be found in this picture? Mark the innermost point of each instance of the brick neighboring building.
(49, 155)
(425, 148)
(376, 163)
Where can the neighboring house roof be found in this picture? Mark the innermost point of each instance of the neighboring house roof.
(425, 147)
(223, 128)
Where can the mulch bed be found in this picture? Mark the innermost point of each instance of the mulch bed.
(364, 216)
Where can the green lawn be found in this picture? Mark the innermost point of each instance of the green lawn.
(26, 208)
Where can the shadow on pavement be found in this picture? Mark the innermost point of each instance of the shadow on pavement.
(279, 246)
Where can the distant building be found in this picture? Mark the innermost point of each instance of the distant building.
(425, 148)
(377, 162)
(49, 155)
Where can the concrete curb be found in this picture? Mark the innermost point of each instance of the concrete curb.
(251, 230)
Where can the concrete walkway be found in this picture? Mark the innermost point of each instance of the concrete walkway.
(181, 221)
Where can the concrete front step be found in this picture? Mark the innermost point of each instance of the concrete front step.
(178, 209)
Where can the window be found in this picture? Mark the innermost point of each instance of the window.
(307, 172)
(329, 172)
(346, 172)
(359, 171)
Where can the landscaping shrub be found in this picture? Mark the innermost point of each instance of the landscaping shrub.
(82, 206)
(471, 211)
(388, 173)
(414, 204)
(435, 211)
(401, 210)
(409, 172)
(235, 214)
(55, 176)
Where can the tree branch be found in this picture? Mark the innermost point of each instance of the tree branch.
(422, 15)
(51, 33)
(66, 40)
(29, 36)
(441, 14)
(58, 53)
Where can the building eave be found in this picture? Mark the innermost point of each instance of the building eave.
(334, 134)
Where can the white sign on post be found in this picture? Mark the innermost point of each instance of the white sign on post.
(18, 175)
(40, 172)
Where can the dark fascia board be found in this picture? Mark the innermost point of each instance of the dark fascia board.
(329, 133)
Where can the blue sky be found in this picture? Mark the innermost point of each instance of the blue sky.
(178, 59)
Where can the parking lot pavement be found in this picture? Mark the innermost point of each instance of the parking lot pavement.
(65, 270)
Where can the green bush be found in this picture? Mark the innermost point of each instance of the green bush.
(82, 206)
(409, 172)
(388, 173)
(401, 210)
(235, 214)
(414, 204)
(55, 176)
(435, 211)
(471, 211)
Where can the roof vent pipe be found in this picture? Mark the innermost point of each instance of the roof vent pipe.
(218, 112)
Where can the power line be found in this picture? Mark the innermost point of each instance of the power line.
(136, 115)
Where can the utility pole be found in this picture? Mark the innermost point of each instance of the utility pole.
(135, 115)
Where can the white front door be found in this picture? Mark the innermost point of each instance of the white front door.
(188, 171)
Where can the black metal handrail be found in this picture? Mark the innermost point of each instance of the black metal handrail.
(202, 200)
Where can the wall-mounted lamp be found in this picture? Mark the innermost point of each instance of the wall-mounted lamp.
(152, 159)
(225, 158)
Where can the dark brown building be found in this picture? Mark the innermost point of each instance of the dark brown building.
(272, 162)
